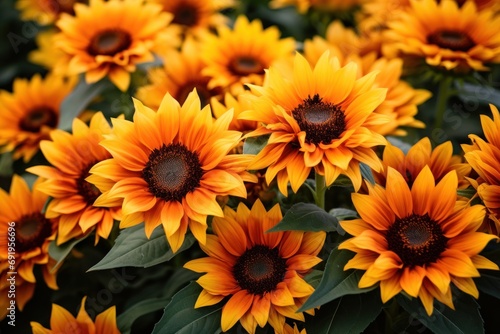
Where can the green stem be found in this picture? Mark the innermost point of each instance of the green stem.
(444, 93)
(320, 191)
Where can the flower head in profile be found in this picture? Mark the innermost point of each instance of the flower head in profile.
(168, 167)
(109, 38)
(484, 158)
(417, 239)
(62, 321)
(45, 12)
(261, 273)
(240, 55)
(30, 112)
(72, 156)
(317, 119)
(446, 35)
(21, 212)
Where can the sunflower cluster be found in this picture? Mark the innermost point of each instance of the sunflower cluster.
(269, 166)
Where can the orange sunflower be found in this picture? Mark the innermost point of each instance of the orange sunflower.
(30, 112)
(21, 210)
(109, 38)
(440, 161)
(240, 56)
(317, 119)
(61, 321)
(168, 167)
(446, 35)
(417, 239)
(484, 158)
(72, 156)
(45, 12)
(261, 272)
(180, 74)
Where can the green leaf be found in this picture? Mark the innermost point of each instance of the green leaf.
(133, 249)
(127, 318)
(78, 100)
(314, 277)
(253, 145)
(306, 217)
(59, 253)
(343, 214)
(348, 314)
(468, 192)
(464, 319)
(180, 316)
(366, 172)
(336, 282)
(6, 162)
(489, 283)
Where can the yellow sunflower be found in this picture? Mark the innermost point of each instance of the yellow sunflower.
(321, 5)
(317, 119)
(45, 12)
(261, 272)
(72, 156)
(30, 112)
(484, 158)
(61, 321)
(238, 105)
(46, 55)
(109, 38)
(21, 213)
(440, 161)
(168, 167)
(180, 74)
(196, 17)
(240, 56)
(417, 239)
(446, 35)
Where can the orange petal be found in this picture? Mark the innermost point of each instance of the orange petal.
(235, 308)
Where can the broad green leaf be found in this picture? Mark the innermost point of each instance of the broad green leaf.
(346, 315)
(78, 100)
(464, 319)
(59, 253)
(253, 145)
(343, 214)
(468, 192)
(336, 282)
(180, 316)
(133, 249)
(306, 217)
(6, 164)
(127, 318)
(314, 277)
(489, 283)
(366, 172)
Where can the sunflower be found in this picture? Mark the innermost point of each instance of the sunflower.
(72, 156)
(317, 119)
(240, 56)
(446, 35)
(321, 5)
(261, 273)
(45, 12)
(196, 17)
(61, 321)
(46, 55)
(33, 233)
(168, 167)
(180, 74)
(440, 161)
(484, 157)
(417, 239)
(108, 38)
(30, 112)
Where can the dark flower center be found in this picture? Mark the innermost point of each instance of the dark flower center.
(259, 269)
(38, 117)
(322, 121)
(31, 231)
(172, 171)
(450, 39)
(109, 42)
(87, 190)
(242, 66)
(418, 240)
(185, 15)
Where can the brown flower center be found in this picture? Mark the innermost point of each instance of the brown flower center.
(322, 121)
(418, 240)
(109, 42)
(185, 14)
(38, 117)
(242, 66)
(87, 190)
(31, 231)
(172, 171)
(259, 269)
(450, 39)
